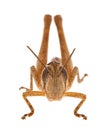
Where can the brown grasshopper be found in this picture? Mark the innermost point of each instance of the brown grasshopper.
(55, 78)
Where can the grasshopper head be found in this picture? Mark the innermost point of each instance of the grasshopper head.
(54, 79)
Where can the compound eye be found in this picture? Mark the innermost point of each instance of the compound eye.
(63, 72)
(45, 74)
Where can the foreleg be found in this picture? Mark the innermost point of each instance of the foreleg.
(31, 93)
(78, 95)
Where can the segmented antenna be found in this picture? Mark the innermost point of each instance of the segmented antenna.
(39, 60)
(66, 61)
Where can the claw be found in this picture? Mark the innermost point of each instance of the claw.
(83, 116)
(24, 88)
(25, 115)
(85, 75)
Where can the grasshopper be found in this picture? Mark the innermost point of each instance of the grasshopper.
(55, 78)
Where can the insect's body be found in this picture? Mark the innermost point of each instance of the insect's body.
(55, 78)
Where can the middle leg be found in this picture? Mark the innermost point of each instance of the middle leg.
(31, 84)
(75, 72)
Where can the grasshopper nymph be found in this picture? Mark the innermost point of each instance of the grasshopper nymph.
(55, 78)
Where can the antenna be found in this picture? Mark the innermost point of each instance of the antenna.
(66, 61)
(39, 59)
(69, 58)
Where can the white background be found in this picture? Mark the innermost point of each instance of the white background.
(85, 26)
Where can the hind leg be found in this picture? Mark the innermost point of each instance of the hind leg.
(44, 46)
(63, 46)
